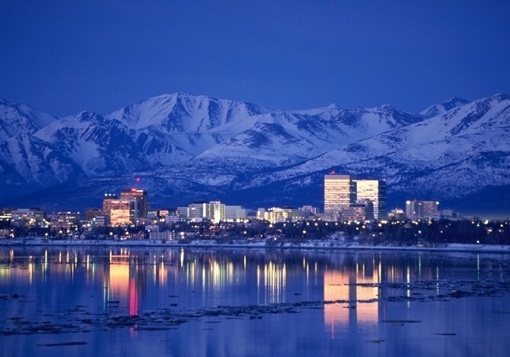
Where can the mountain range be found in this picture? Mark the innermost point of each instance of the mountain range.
(183, 148)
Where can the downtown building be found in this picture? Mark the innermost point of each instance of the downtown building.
(280, 214)
(354, 199)
(339, 193)
(140, 204)
(28, 217)
(214, 211)
(65, 221)
(374, 191)
(130, 209)
(416, 210)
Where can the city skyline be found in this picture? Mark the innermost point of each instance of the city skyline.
(254, 178)
(346, 199)
(188, 147)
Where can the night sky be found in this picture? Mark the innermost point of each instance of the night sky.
(65, 56)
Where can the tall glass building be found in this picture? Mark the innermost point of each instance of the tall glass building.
(375, 191)
(339, 193)
(141, 205)
(343, 191)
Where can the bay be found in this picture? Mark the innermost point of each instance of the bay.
(78, 301)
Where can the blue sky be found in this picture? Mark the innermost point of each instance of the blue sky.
(65, 56)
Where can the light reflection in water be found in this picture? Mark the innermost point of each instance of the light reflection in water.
(357, 288)
(408, 281)
(30, 269)
(190, 273)
(437, 280)
(419, 265)
(142, 280)
(45, 265)
(307, 274)
(118, 282)
(258, 284)
(363, 286)
(478, 266)
(154, 271)
(203, 279)
(274, 283)
(163, 273)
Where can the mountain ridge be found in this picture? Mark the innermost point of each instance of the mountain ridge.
(196, 147)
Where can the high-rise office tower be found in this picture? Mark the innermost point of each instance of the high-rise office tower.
(121, 212)
(375, 191)
(339, 193)
(216, 211)
(107, 202)
(141, 205)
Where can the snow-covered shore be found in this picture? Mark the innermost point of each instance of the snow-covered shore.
(259, 244)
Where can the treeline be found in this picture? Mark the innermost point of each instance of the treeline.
(394, 232)
(446, 231)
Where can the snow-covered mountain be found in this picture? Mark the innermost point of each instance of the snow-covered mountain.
(282, 138)
(19, 119)
(26, 162)
(443, 107)
(195, 147)
(457, 152)
(191, 124)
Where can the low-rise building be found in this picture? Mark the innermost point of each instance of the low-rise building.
(360, 211)
(214, 211)
(416, 210)
(65, 221)
(234, 213)
(279, 214)
(28, 217)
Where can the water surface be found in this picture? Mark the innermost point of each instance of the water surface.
(183, 302)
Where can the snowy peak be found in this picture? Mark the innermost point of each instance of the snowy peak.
(462, 152)
(332, 108)
(184, 113)
(476, 120)
(70, 126)
(491, 113)
(287, 138)
(190, 145)
(359, 123)
(146, 113)
(19, 119)
(396, 118)
(444, 107)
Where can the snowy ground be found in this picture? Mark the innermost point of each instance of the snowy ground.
(269, 244)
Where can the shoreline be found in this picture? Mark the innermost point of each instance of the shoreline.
(332, 245)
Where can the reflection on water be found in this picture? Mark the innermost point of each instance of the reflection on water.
(346, 298)
(355, 286)
(273, 283)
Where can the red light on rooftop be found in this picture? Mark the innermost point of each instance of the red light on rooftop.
(333, 172)
(138, 179)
